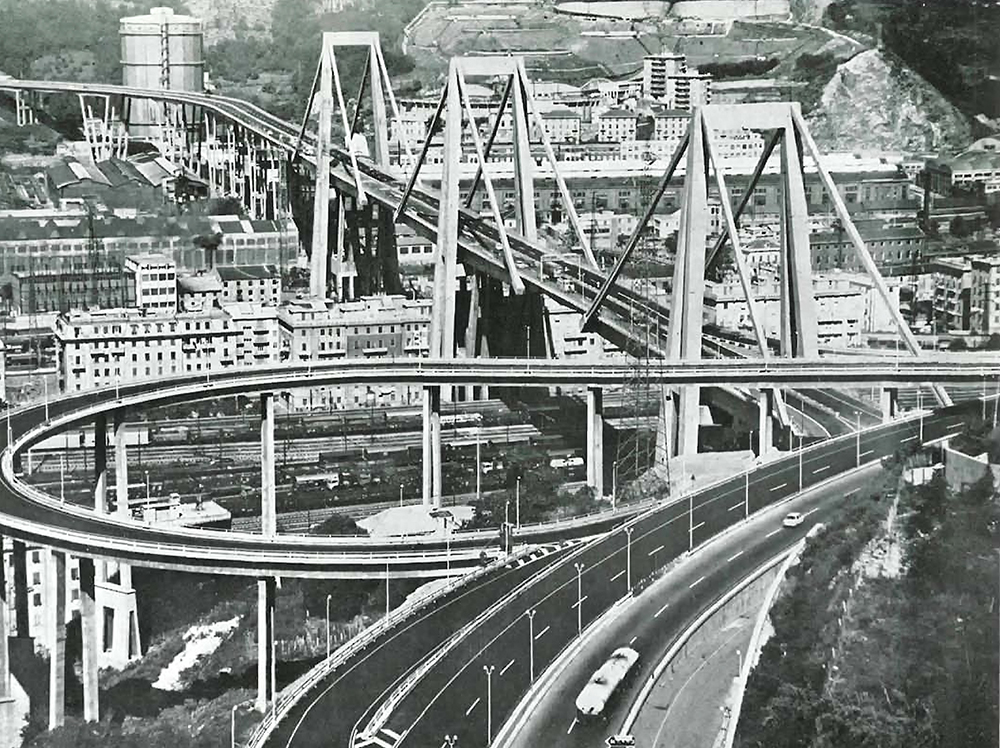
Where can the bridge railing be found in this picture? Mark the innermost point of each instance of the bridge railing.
(293, 693)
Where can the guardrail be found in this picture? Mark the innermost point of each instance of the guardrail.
(294, 692)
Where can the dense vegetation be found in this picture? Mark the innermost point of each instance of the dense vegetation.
(885, 662)
(951, 43)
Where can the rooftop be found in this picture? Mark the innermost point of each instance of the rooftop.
(247, 272)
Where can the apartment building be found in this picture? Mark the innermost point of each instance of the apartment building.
(154, 282)
(984, 295)
(952, 278)
(617, 125)
(106, 347)
(371, 327)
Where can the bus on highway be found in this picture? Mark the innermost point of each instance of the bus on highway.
(604, 684)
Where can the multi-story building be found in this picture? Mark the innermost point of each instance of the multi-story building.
(952, 289)
(199, 290)
(154, 280)
(667, 78)
(617, 125)
(604, 228)
(656, 70)
(375, 327)
(671, 125)
(562, 125)
(119, 642)
(27, 244)
(54, 290)
(113, 346)
(258, 284)
(847, 306)
(984, 295)
(895, 249)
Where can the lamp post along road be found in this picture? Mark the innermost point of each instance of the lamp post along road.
(858, 444)
(531, 643)
(488, 669)
(328, 626)
(579, 598)
(517, 504)
(628, 556)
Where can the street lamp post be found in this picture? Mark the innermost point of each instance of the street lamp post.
(614, 483)
(479, 469)
(147, 485)
(62, 477)
(387, 588)
(628, 556)
(920, 409)
(488, 669)
(506, 526)
(450, 741)
(45, 384)
(232, 725)
(328, 626)
(531, 643)
(517, 504)
(579, 598)
(857, 450)
(401, 494)
(800, 463)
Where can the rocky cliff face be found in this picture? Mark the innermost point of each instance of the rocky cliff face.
(875, 103)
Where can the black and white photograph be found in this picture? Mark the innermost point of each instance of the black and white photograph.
(499, 373)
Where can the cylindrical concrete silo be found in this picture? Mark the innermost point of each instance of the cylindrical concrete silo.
(160, 50)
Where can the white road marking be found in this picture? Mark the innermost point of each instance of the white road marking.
(696, 582)
(632, 640)
(571, 726)
(820, 470)
(619, 575)
(578, 602)
(736, 506)
(778, 488)
(657, 613)
(806, 514)
(908, 439)
(695, 527)
(541, 633)
(773, 532)
(392, 733)
(852, 492)
(735, 556)
(506, 667)
(870, 451)
(471, 707)
(657, 549)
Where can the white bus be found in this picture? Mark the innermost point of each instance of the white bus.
(604, 683)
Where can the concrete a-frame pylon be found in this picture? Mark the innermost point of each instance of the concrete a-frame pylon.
(798, 330)
(456, 109)
(338, 265)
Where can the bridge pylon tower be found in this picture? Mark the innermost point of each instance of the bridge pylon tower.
(499, 318)
(798, 336)
(351, 266)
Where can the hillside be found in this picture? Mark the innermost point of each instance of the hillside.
(875, 103)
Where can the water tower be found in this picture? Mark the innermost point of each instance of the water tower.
(160, 50)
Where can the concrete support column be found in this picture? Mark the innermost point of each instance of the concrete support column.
(595, 440)
(4, 649)
(55, 611)
(427, 447)
(21, 589)
(435, 423)
(889, 400)
(765, 423)
(268, 511)
(91, 643)
(101, 464)
(266, 594)
(121, 487)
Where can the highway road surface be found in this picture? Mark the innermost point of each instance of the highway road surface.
(326, 716)
(451, 699)
(661, 613)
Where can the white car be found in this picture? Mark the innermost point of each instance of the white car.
(793, 519)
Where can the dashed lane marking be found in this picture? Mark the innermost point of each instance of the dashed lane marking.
(471, 707)
(541, 633)
(778, 488)
(657, 613)
(696, 582)
(506, 667)
(734, 557)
